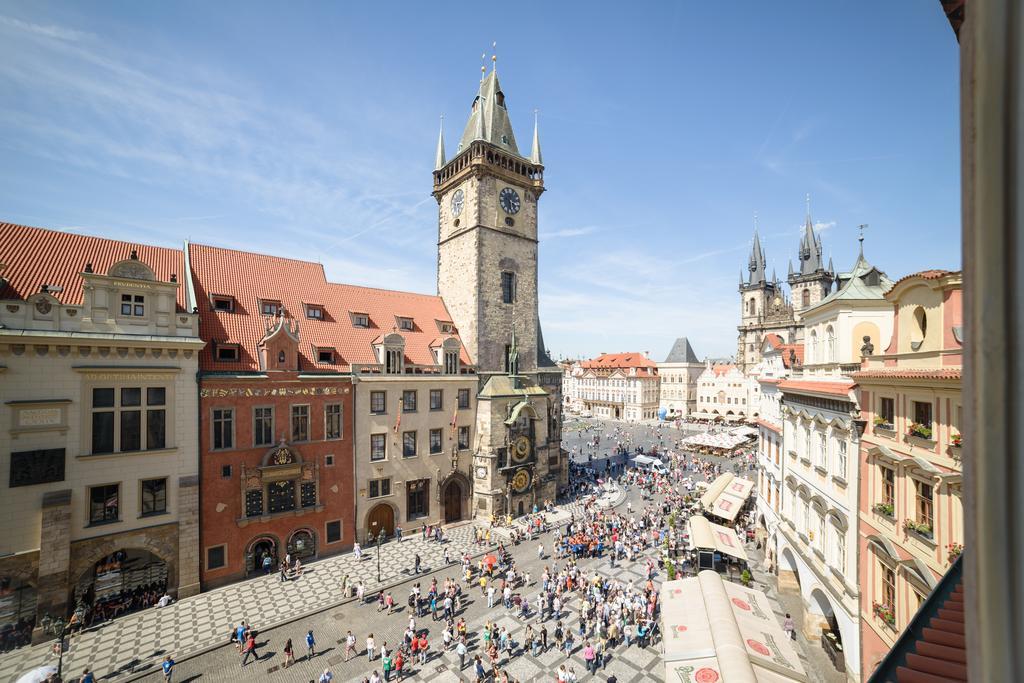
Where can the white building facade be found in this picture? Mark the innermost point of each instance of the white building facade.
(616, 386)
(725, 392)
(817, 539)
(679, 373)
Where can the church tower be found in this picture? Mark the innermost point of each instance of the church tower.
(487, 234)
(811, 281)
(757, 296)
(487, 276)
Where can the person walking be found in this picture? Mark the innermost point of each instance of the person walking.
(788, 627)
(250, 649)
(385, 665)
(289, 653)
(326, 676)
(310, 645)
(424, 648)
(240, 636)
(87, 677)
(589, 658)
(267, 563)
(461, 651)
(369, 647)
(416, 564)
(350, 646)
(168, 668)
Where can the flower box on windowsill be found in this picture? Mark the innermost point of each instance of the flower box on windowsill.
(885, 613)
(920, 442)
(885, 430)
(885, 509)
(954, 452)
(919, 529)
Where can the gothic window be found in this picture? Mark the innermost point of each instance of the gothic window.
(508, 287)
(263, 426)
(300, 423)
(805, 298)
(154, 496)
(416, 499)
(307, 494)
(104, 503)
(223, 428)
(378, 446)
(36, 467)
(451, 362)
(332, 421)
(281, 496)
(393, 361)
(254, 503)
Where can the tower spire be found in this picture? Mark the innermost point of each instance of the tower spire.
(439, 159)
(535, 155)
(861, 238)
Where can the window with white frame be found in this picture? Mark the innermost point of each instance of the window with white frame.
(822, 451)
(841, 458)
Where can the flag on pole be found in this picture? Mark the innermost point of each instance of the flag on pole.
(455, 419)
(398, 416)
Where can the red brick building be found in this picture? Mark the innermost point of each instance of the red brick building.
(276, 406)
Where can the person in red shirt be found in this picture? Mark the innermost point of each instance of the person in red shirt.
(398, 664)
(423, 647)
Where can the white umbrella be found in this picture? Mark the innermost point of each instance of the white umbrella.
(37, 675)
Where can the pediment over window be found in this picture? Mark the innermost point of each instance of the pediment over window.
(132, 269)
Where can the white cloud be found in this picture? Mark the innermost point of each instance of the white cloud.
(568, 232)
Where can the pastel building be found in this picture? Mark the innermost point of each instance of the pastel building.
(911, 499)
(679, 372)
(617, 386)
(99, 350)
(723, 391)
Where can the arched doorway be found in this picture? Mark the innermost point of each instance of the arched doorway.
(302, 544)
(821, 618)
(259, 548)
(452, 502)
(381, 518)
(520, 510)
(123, 581)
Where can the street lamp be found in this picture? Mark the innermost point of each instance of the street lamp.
(378, 555)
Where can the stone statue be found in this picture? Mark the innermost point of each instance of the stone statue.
(868, 348)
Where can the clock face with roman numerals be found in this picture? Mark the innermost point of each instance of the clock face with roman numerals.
(509, 200)
(458, 199)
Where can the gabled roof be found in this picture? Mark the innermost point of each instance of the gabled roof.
(489, 119)
(250, 278)
(798, 351)
(37, 256)
(682, 352)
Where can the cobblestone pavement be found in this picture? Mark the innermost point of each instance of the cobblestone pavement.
(131, 646)
(136, 641)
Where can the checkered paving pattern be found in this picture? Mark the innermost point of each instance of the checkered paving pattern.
(137, 641)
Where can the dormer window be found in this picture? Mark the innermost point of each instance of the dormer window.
(270, 307)
(227, 352)
(223, 303)
(392, 361)
(133, 305)
(446, 326)
(325, 355)
(405, 324)
(451, 362)
(360, 319)
(314, 312)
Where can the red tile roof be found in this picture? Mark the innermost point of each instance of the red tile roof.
(251, 278)
(722, 369)
(933, 274)
(37, 256)
(815, 387)
(768, 425)
(951, 373)
(773, 339)
(797, 348)
(630, 359)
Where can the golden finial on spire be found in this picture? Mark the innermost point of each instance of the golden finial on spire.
(494, 55)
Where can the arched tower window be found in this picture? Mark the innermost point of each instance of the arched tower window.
(805, 298)
(830, 340)
(752, 307)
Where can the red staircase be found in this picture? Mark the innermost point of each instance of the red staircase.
(940, 654)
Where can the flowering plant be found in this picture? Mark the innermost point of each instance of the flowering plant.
(884, 612)
(882, 422)
(919, 430)
(884, 509)
(954, 550)
(919, 527)
(957, 439)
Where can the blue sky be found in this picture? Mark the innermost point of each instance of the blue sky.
(308, 130)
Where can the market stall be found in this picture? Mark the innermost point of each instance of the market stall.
(719, 631)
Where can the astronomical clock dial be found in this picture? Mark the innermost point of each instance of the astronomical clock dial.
(521, 449)
(509, 200)
(458, 200)
(521, 481)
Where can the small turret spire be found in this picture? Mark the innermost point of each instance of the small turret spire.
(439, 159)
(861, 238)
(535, 155)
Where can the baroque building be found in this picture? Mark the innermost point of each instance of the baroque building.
(766, 309)
(911, 513)
(98, 357)
(617, 386)
(487, 196)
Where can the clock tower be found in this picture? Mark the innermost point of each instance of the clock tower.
(487, 197)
